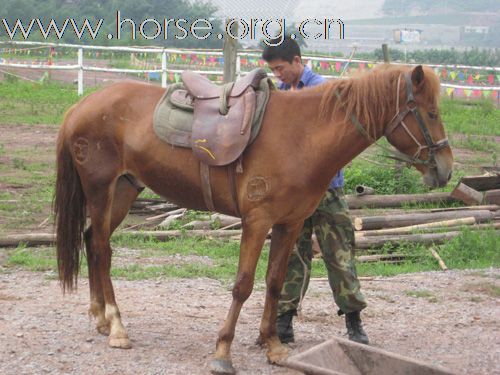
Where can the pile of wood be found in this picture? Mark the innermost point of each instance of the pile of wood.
(394, 224)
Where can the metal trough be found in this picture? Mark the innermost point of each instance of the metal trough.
(338, 356)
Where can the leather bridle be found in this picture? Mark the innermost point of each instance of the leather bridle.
(398, 120)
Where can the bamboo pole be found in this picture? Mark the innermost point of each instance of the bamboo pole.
(439, 259)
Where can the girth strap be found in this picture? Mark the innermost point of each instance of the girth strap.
(231, 176)
(205, 186)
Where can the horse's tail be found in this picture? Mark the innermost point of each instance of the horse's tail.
(69, 207)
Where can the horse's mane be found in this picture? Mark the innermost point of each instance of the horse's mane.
(371, 95)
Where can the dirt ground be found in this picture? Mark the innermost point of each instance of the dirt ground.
(446, 318)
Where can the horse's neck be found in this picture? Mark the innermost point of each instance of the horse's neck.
(337, 142)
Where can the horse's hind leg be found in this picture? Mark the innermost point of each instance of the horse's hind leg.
(96, 295)
(124, 195)
(108, 206)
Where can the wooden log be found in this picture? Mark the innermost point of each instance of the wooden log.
(491, 225)
(439, 259)
(432, 225)
(236, 225)
(402, 220)
(30, 239)
(222, 220)
(372, 242)
(169, 220)
(482, 183)
(492, 196)
(396, 200)
(169, 234)
(380, 258)
(467, 194)
(392, 211)
(163, 207)
(364, 190)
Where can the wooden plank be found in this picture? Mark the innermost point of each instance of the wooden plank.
(482, 183)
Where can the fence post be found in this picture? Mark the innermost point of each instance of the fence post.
(238, 66)
(385, 51)
(230, 52)
(80, 71)
(164, 69)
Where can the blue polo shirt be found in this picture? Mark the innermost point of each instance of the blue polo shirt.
(309, 78)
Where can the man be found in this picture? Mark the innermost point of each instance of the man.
(330, 222)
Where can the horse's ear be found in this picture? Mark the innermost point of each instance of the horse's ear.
(417, 76)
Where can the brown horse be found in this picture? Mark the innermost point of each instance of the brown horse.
(107, 149)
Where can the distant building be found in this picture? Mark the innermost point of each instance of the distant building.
(407, 35)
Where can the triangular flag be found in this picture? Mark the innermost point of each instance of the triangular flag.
(453, 75)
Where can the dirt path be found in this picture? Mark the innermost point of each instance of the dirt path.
(449, 319)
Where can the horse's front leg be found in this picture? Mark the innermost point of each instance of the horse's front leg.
(252, 240)
(283, 238)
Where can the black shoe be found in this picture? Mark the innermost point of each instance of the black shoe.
(284, 327)
(355, 328)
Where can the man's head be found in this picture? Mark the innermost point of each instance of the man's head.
(284, 60)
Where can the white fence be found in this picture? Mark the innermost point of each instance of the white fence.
(81, 67)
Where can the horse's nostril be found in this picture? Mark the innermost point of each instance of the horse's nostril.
(449, 175)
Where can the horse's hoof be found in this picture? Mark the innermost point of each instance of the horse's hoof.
(259, 341)
(222, 366)
(103, 329)
(277, 355)
(119, 342)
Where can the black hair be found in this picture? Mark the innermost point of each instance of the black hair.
(281, 48)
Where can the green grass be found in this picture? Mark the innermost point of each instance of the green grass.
(40, 259)
(384, 180)
(31, 184)
(35, 103)
(479, 117)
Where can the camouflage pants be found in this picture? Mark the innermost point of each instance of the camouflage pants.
(335, 235)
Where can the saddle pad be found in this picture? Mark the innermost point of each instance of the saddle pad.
(174, 114)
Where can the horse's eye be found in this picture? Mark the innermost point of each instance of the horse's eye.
(432, 115)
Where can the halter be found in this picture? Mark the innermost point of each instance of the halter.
(398, 119)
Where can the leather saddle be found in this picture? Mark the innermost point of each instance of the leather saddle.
(216, 121)
(223, 116)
